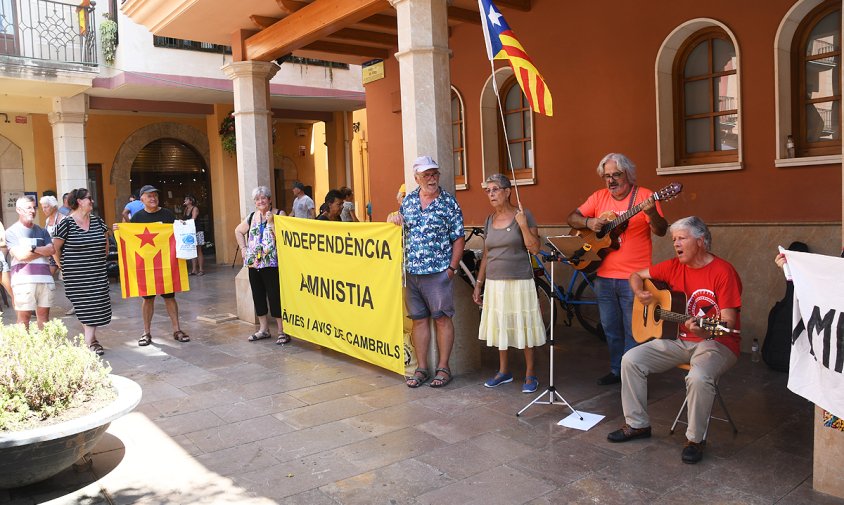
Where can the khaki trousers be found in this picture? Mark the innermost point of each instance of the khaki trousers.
(708, 360)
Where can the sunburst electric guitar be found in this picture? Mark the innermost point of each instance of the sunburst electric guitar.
(662, 316)
(606, 240)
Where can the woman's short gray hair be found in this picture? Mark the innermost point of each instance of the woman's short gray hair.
(500, 179)
(624, 164)
(49, 201)
(261, 191)
(696, 227)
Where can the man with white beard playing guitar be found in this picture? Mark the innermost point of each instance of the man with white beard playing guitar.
(713, 290)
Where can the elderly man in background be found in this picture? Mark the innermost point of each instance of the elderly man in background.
(433, 224)
(303, 205)
(30, 247)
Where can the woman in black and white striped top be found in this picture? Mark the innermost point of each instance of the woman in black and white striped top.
(82, 242)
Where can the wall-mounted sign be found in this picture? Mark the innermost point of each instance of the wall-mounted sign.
(20, 119)
(372, 71)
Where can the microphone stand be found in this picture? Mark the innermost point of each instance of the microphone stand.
(551, 391)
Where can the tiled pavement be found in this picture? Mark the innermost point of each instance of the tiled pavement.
(224, 420)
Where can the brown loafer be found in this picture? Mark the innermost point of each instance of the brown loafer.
(629, 433)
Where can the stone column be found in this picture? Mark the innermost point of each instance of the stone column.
(425, 85)
(253, 121)
(68, 121)
(425, 79)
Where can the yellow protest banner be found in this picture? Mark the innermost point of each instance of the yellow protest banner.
(341, 287)
(148, 263)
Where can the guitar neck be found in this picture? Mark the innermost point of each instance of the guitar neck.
(621, 219)
(674, 317)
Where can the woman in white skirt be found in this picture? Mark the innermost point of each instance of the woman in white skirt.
(511, 315)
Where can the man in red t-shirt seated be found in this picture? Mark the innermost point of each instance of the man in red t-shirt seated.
(713, 289)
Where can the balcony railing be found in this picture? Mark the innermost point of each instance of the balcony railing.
(49, 30)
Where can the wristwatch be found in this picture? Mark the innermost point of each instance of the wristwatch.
(32, 248)
(452, 269)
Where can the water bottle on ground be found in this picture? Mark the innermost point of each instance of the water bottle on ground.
(754, 351)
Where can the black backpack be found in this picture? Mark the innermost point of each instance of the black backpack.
(776, 350)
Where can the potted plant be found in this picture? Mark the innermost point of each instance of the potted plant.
(57, 399)
(228, 134)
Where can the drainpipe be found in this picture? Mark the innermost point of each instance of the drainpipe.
(347, 149)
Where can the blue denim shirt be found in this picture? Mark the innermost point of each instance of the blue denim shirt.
(429, 233)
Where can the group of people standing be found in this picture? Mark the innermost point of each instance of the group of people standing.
(255, 238)
(433, 226)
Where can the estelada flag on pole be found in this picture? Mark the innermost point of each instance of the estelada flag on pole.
(502, 44)
(147, 259)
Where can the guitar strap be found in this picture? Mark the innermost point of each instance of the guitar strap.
(633, 192)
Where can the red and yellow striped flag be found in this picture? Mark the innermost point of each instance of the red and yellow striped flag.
(148, 263)
(502, 44)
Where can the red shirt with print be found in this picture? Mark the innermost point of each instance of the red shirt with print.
(708, 290)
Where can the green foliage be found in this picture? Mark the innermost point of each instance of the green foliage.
(228, 135)
(108, 39)
(43, 373)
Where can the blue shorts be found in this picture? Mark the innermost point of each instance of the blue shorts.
(429, 295)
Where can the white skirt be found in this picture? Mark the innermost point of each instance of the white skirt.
(510, 316)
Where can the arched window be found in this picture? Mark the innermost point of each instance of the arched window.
(816, 88)
(458, 135)
(706, 99)
(518, 120)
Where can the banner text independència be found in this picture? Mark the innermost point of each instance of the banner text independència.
(337, 244)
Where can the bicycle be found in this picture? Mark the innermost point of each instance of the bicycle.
(580, 303)
(578, 300)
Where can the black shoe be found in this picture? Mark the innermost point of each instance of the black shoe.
(693, 452)
(608, 379)
(629, 433)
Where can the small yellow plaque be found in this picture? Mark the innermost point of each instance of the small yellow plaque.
(373, 71)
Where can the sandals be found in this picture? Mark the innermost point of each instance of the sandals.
(181, 336)
(96, 348)
(284, 338)
(441, 380)
(146, 339)
(200, 273)
(419, 377)
(259, 335)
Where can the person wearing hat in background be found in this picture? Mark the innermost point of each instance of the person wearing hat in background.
(434, 242)
(152, 213)
(303, 205)
(135, 204)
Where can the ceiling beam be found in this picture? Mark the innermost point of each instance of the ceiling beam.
(464, 15)
(309, 24)
(365, 37)
(348, 49)
(263, 21)
(289, 6)
(519, 5)
(379, 22)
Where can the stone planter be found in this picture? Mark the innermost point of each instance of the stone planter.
(34, 455)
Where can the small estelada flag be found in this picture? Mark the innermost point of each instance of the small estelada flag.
(148, 263)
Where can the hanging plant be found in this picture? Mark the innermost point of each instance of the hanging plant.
(228, 137)
(108, 39)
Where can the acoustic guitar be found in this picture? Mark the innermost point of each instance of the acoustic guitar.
(606, 240)
(662, 316)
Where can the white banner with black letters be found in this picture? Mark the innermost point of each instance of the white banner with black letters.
(817, 352)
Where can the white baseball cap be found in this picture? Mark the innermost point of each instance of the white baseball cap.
(424, 163)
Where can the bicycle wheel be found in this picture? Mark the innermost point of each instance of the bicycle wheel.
(587, 313)
(543, 295)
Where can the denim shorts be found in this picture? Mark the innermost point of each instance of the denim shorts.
(429, 295)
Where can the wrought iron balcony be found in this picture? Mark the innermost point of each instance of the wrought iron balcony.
(49, 30)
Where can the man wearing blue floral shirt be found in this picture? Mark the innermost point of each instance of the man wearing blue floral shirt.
(434, 241)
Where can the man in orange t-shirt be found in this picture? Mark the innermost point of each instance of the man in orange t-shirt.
(615, 298)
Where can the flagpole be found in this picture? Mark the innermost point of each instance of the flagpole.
(500, 106)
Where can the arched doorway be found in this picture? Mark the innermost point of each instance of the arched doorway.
(11, 175)
(177, 169)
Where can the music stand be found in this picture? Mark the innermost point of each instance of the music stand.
(551, 390)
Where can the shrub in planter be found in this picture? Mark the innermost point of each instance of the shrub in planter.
(46, 377)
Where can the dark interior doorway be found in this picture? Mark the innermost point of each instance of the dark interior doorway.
(177, 170)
